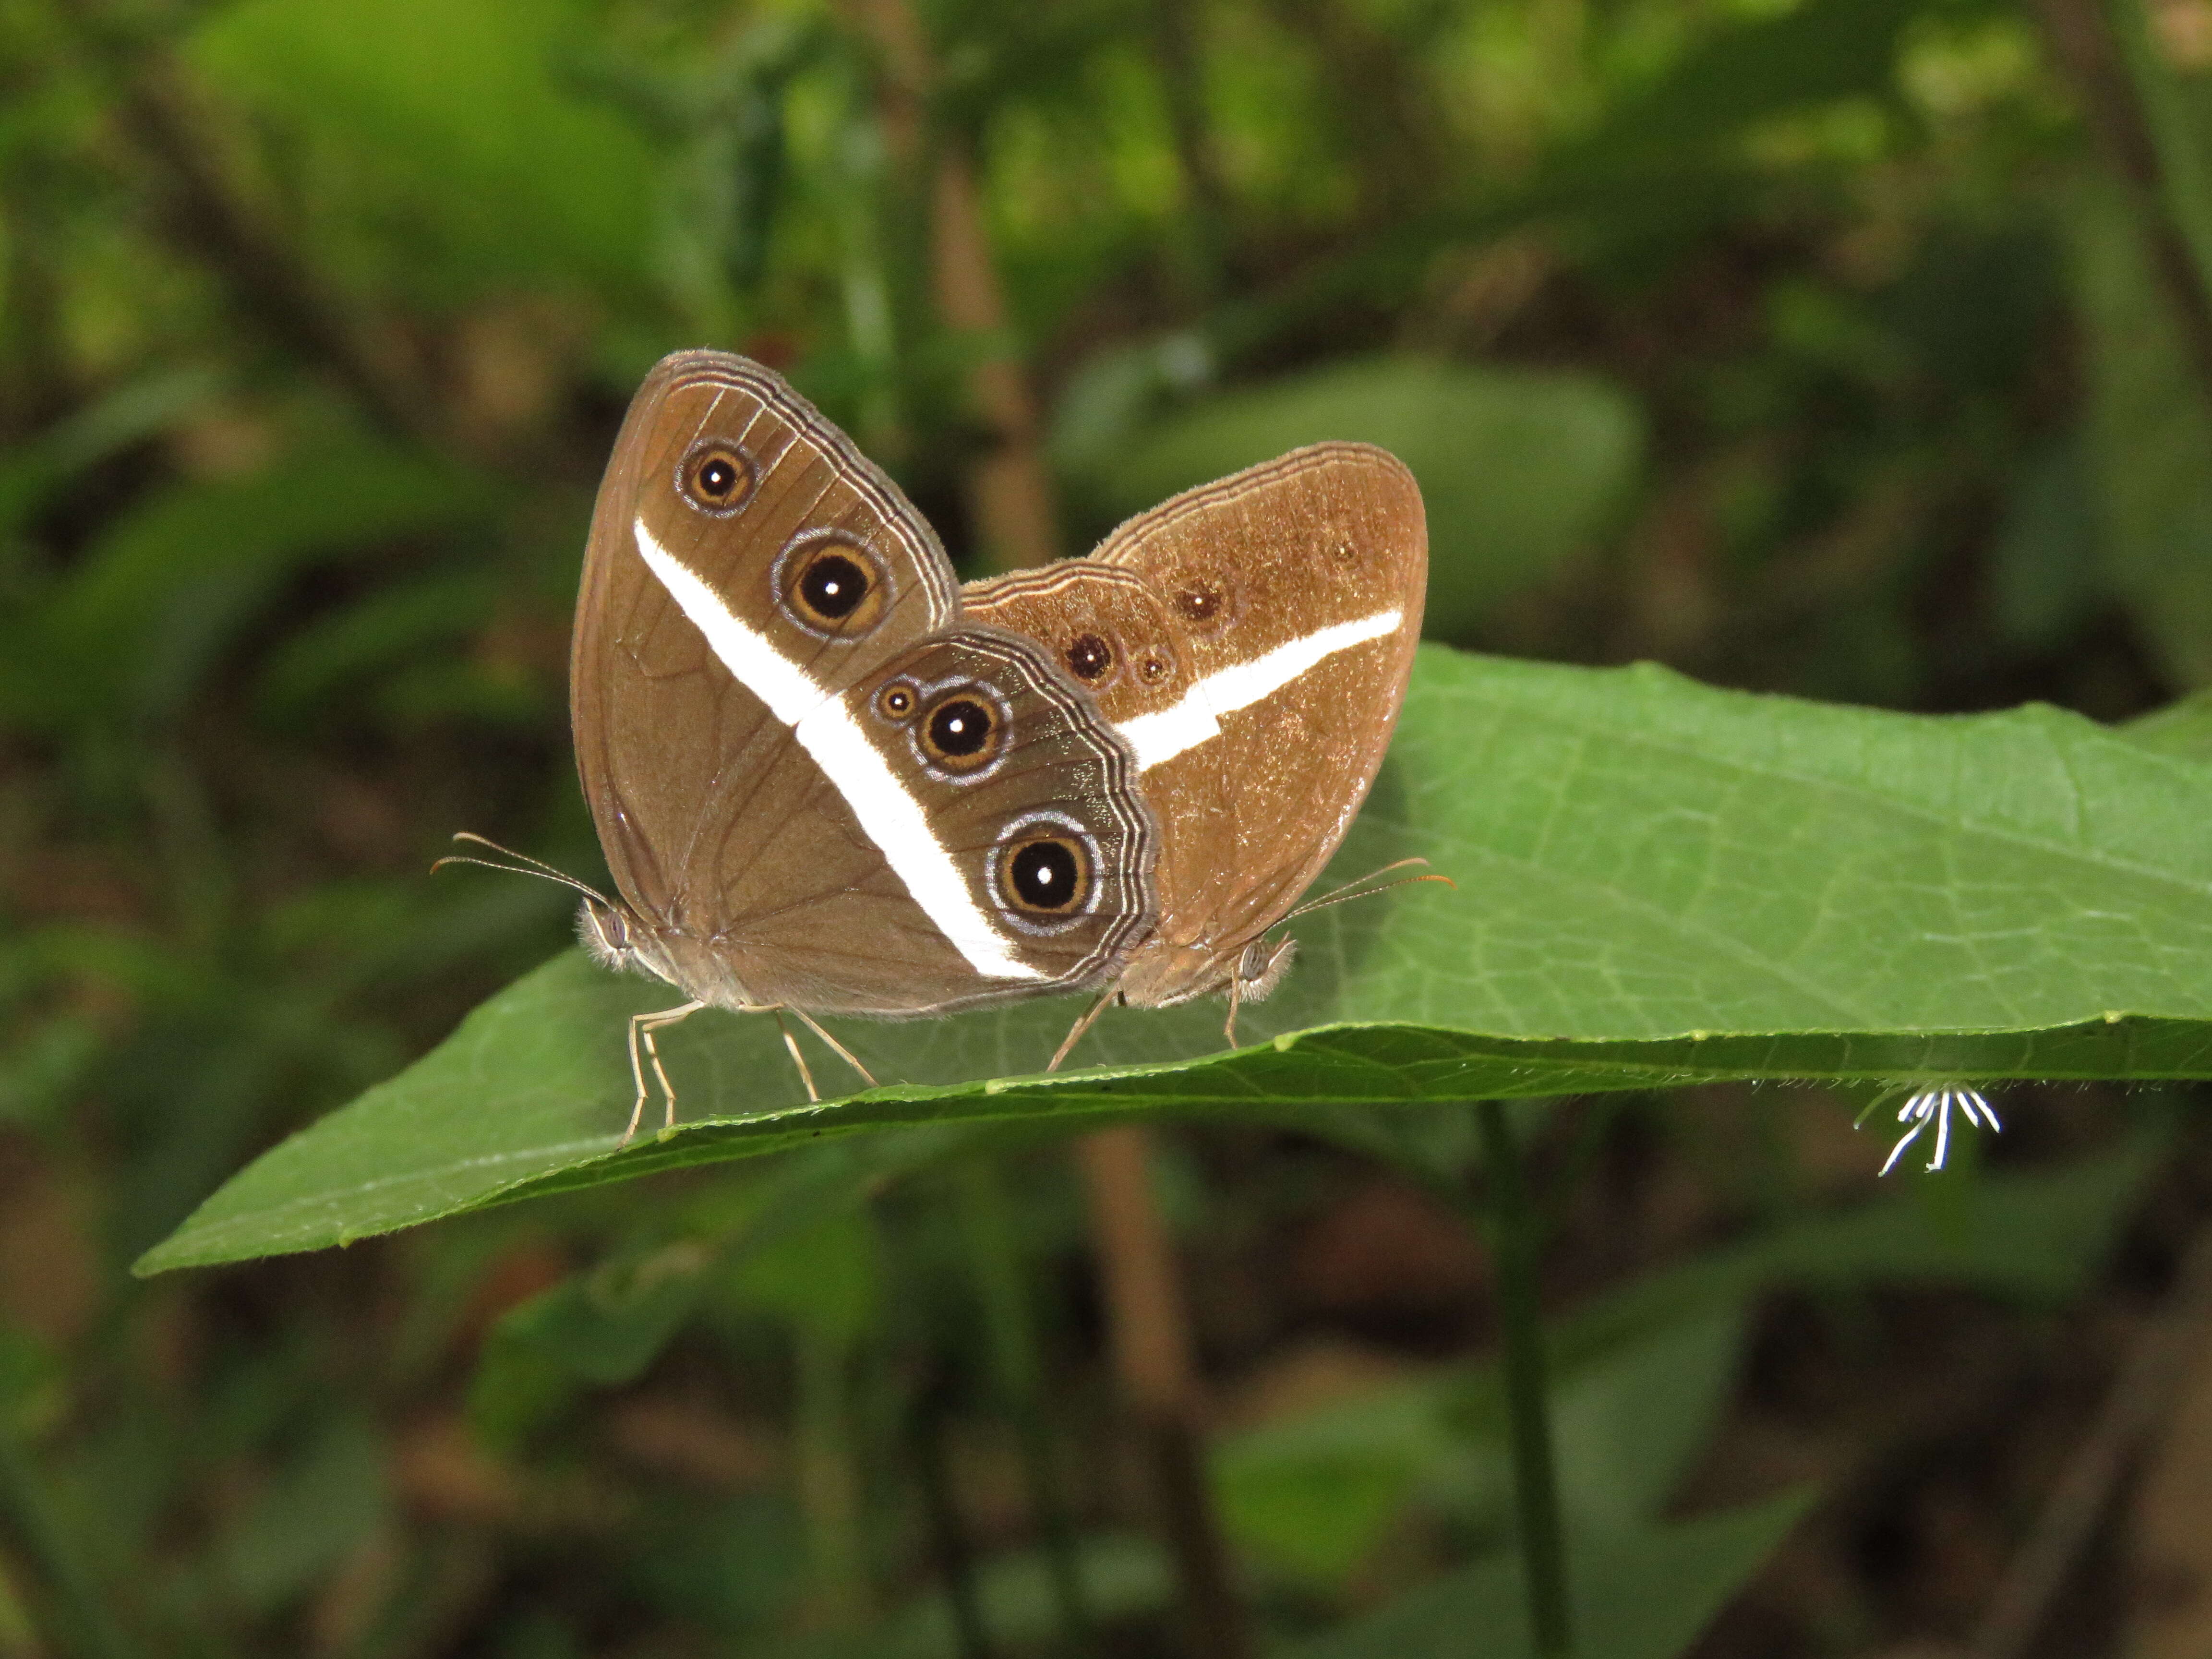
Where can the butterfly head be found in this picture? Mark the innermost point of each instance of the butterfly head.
(610, 934)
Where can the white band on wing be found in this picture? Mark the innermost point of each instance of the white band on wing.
(891, 817)
(1194, 717)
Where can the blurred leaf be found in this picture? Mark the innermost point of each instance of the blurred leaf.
(1641, 1595)
(1660, 884)
(1761, 67)
(1641, 1376)
(733, 1568)
(822, 1280)
(170, 585)
(1313, 1495)
(2148, 431)
(1123, 1577)
(130, 413)
(1517, 469)
(311, 1514)
(1628, 1432)
(2035, 1238)
(373, 635)
(471, 136)
(603, 1327)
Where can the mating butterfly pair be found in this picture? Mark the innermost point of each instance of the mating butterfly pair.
(829, 780)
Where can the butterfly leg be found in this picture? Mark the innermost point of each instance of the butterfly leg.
(1075, 1032)
(1236, 996)
(641, 1028)
(843, 1052)
(797, 1059)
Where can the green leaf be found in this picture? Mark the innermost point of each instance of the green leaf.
(1518, 469)
(1641, 1595)
(2182, 728)
(1659, 883)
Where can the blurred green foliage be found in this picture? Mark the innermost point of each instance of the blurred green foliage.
(1838, 348)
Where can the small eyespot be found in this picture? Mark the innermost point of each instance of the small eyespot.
(962, 732)
(1090, 658)
(1199, 602)
(829, 585)
(897, 701)
(1045, 875)
(717, 477)
(1154, 669)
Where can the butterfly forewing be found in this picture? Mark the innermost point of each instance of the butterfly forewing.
(724, 478)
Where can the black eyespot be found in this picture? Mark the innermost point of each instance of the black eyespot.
(962, 732)
(960, 727)
(1154, 669)
(717, 477)
(833, 586)
(830, 584)
(897, 700)
(1049, 874)
(1090, 657)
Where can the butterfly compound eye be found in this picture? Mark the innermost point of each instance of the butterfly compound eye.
(1045, 875)
(962, 733)
(717, 477)
(830, 586)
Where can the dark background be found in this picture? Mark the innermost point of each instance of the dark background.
(1853, 349)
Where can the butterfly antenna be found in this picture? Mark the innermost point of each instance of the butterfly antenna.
(1360, 890)
(522, 865)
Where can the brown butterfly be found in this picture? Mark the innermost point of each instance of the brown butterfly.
(1252, 640)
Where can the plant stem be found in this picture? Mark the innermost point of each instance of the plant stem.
(1150, 1329)
(1535, 1479)
(70, 1612)
(1002, 1290)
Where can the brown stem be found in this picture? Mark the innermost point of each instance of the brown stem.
(2082, 40)
(1149, 1331)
